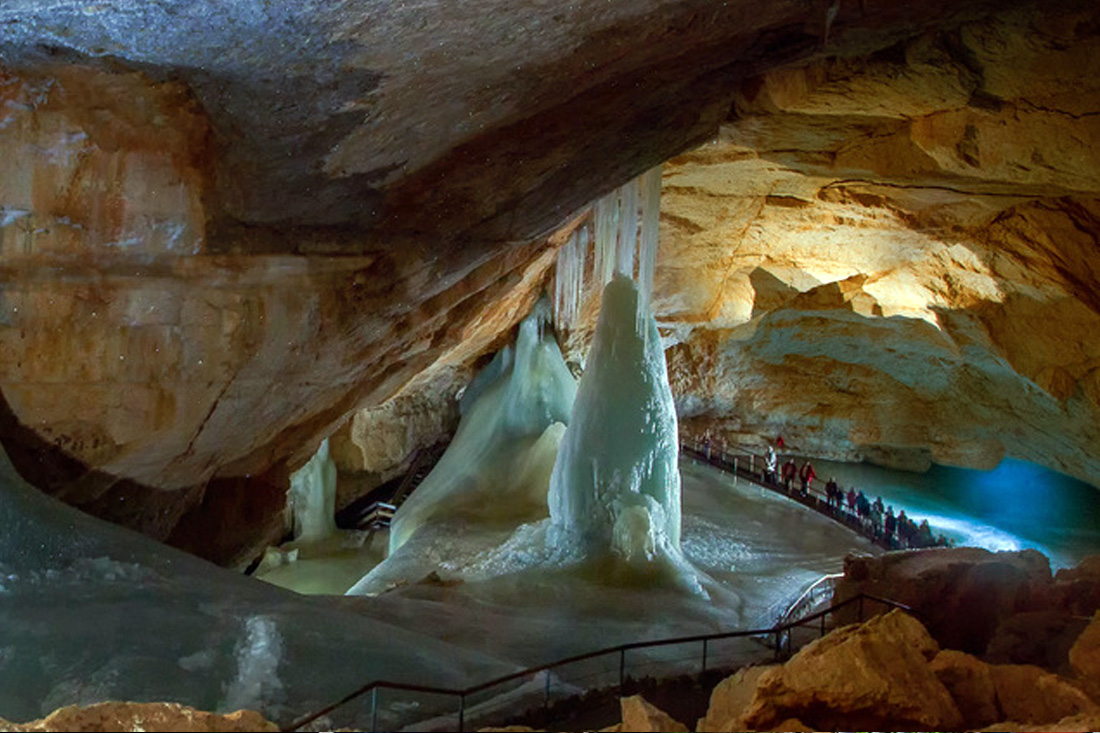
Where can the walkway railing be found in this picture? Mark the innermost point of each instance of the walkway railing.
(750, 467)
(811, 598)
(514, 695)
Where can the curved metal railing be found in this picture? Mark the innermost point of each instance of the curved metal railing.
(780, 638)
(749, 466)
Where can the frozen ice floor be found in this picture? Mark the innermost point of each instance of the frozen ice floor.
(93, 612)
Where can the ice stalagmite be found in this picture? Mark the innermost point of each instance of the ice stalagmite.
(498, 465)
(616, 482)
(312, 497)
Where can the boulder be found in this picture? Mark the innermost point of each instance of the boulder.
(1042, 638)
(874, 676)
(141, 716)
(1077, 590)
(960, 594)
(970, 683)
(1084, 658)
(1027, 694)
(730, 700)
(639, 715)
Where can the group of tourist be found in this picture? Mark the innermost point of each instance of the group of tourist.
(897, 531)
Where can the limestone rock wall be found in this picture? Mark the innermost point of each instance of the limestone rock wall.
(894, 258)
(888, 250)
(136, 365)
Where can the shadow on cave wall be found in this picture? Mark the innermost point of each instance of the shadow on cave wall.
(225, 521)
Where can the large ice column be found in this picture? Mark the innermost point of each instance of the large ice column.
(498, 466)
(616, 481)
(312, 497)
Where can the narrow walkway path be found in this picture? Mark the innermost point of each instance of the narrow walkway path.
(750, 467)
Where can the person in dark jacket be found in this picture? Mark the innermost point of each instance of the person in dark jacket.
(789, 472)
(832, 493)
(890, 523)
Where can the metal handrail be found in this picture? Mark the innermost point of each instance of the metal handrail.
(776, 631)
(807, 596)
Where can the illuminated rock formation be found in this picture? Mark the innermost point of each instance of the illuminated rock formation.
(892, 206)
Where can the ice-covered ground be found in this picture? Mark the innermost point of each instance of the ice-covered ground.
(93, 612)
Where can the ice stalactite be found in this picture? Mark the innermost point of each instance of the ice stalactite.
(312, 497)
(616, 482)
(569, 278)
(625, 226)
(498, 466)
(647, 242)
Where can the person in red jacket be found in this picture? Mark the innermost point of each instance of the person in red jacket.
(789, 472)
(807, 475)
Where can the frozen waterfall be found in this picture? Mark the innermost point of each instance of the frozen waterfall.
(616, 481)
(498, 466)
(312, 497)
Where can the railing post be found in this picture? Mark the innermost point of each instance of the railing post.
(778, 644)
(823, 624)
(704, 657)
(752, 463)
(374, 709)
(622, 669)
(546, 701)
(735, 470)
(461, 713)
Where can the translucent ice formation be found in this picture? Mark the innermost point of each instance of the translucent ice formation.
(312, 497)
(616, 482)
(498, 466)
(625, 226)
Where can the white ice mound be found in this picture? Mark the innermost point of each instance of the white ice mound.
(616, 482)
(498, 466)
(312, 497)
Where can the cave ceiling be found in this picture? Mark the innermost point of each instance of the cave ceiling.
(487, 119)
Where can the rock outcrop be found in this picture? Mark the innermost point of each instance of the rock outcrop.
(1028, 694)
(730, 700)
(1004, 607)
(1084, 656)
(888, 674)
(874, 676)
(640, 715)
(143, 716)
(869, 258)
(971, 685)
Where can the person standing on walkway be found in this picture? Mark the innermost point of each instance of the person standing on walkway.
(789, 472)
(890, 523)
(852, 498)
(807, 475)
(771, 465)
(832, 492)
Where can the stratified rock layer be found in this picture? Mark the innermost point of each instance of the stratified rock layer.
(894, 258)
